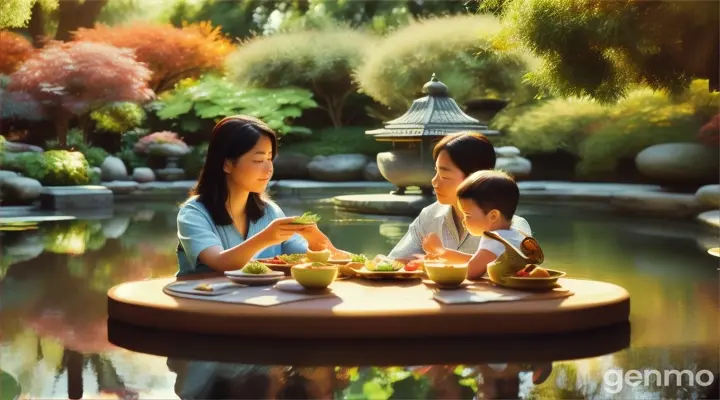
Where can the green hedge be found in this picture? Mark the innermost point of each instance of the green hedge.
(53, 167)
(603, 135)
(321, 61)
(336, 141)
(463, 51)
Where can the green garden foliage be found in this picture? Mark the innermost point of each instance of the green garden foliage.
(321, 61)
(212, 98)
(118, 117)
(52, 168)
(461, 50)
(329, 141)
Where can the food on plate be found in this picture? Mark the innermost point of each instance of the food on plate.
(358, 258)
(315, 275)
(307, 218)
(383, 264)
(533, 271)
(318, 256)
(414, 265)
(204, 287)
(277, 260)
(255, 268)
(291, 258)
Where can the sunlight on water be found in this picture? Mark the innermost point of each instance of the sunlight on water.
(53, 328)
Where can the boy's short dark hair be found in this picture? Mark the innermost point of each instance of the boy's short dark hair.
(491, 190)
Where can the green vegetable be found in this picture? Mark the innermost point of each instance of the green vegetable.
(255, 267)
(359, 258)
(292, 258)
(307, 218)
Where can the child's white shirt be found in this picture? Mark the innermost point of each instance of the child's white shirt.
(513, 236)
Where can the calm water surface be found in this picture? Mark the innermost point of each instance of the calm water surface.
(53, 327)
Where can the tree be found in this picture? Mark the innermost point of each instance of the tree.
(70, 79)
(172, 54)
(321, 61)
(600, 48)
(16, 13)
(15, 50)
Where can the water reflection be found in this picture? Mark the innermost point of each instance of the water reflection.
(54, 334)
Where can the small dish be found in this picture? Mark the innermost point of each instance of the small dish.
(314, 276)
(446, 275)
(243, 278)
(533, 283)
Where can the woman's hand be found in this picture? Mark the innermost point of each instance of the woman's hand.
(316, 239)
(283, 229)
(433, 245)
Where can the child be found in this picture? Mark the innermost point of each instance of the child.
(488, 200)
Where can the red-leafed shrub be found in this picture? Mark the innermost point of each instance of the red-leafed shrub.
(171, 53)
(710, 133)
(14, 50)
(74, 78)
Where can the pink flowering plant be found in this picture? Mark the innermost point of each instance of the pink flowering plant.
(154, 143)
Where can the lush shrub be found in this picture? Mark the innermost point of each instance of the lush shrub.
(211, 98)
(18, 105)
(336, 141)
(94, 155)
(321, 61)
(642, 119)
(118, 117)
(127, 153)
(462, 52)
(15, 50)
(143, 146)
(53, 167)
(172, 54)
(193, 161)
(73, 78)
(558, 124)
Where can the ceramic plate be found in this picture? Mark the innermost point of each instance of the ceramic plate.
(239, 274)
(339, 262)
(265, 280)
(400, 274)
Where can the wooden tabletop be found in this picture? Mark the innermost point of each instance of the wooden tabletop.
(370, 309)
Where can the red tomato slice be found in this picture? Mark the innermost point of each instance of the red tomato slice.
(412, 266)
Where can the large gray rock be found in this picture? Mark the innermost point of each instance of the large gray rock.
(20, 190)
(121, 187)
(14, 147)
(507, 151)
(709, 195)
(291, 165)
(113, 169)
(679, 162)
(372, 172)
(168, 149)
(341, 167)
(143, 175)
(6, 175)
(516, 166)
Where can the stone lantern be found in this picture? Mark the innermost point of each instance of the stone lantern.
(415, 133)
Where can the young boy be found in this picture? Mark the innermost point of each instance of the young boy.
(488, 200)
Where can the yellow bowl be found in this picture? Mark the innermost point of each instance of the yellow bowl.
(450, 275)
(311, 277)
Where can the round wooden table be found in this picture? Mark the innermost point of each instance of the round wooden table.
(369, 309)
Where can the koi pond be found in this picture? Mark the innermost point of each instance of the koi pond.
(54, 330)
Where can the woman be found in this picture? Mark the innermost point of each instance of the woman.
(228, 221)
(456, 157)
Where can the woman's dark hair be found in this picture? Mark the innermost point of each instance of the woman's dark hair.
(231, 138)
(469, 151)
(491, 190)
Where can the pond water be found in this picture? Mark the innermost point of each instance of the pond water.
(53, 327)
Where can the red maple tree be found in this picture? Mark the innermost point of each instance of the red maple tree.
(15, 50)
(171, 53)
(71, 79)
